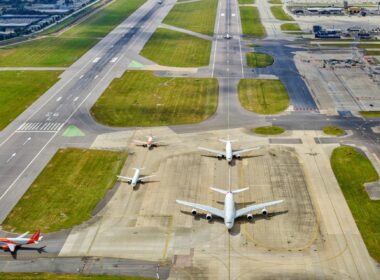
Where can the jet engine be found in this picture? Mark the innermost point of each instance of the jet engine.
(208, 216)
(264, 212)
(194, 212)
(249, 217)
(220, 156)
(238, 156)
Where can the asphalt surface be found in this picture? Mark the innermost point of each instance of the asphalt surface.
(30, 141)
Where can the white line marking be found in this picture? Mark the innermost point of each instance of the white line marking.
(222, 14)
(81, 76)
(233, 15)
(96, 77)
(114, 59)
(27, 140)
(216, 43)
(96, 60)
(59, 98)
(12, 156)
(76, 98)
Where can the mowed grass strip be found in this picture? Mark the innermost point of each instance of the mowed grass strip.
(19, 89)
(66, 191)
(268, 130)
(195, 16)
(251, 22)
(290, 27)
(259, 60)
(52, 276)
(65, 49)
(275, 2)
(263, 96)
(172, 48)
(370, 114)
(333, 130)
(352, 169)
(243, 2)
(139, 98)
(279, 13)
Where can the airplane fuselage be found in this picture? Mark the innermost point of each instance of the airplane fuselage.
(149, 143)
(135, 178)
(229, 155)
(229, 210)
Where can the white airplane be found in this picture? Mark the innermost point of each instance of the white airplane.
(12, 243)
(150, 143)
(229, 214)
(228, 153)
(136, 179)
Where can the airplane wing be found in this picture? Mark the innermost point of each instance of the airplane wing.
(124, 179)
(254, 207)
(245, 151)
(209, 209)
(146, 177)
(139, 142)
(11, 247)
(23, 235)
(213, 151)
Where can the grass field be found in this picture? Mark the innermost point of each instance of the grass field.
(251, 22)
(275, 2)
(268, 130)
(290, 27)
(258, 60)
(66, 191)
(172, 48)
(70, 45)
(370, 114)
(195, 16)
(19, 89)
(352, 169)
(263, 96)
(242, 2)
(280, 14)
(51, 276)
(333, 130)
(139, 98)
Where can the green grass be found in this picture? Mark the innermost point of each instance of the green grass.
(242, 2)
(375, 53)
(139, 98)
(352, 169)
(52, 276)
(70, 45)
(370, 114)
(251, 23)
(172, 48)
(259, 60)
(195, 16)
(280, 14)
(290, 27)
(66, 191)
(333, 130)
(19, 89)
(268, 130)
(275, 2)
(263, 96)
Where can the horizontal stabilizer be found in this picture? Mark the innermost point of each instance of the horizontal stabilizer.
(219, 190)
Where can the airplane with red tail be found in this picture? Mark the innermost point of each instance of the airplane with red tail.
(8, 243)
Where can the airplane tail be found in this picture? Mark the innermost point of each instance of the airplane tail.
(36, 237)
(239, 190)
(219, 191)
(225, 141)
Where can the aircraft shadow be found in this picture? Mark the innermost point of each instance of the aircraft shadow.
(40, 250)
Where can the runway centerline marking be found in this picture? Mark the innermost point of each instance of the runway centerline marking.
(12, 156)
(27, 140)
(59, 98)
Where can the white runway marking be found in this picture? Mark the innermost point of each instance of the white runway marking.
(59, 98)
(12, 156)
(76, 99)
(40, 127)
(96, 60)
(27, 140)
(113, 60)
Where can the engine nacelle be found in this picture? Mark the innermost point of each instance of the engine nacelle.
(194, 212)
(264, 212)
(249, 217)
(220, 156)
(208, 216)
(238, 156)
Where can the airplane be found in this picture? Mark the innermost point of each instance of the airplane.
(150, 143)
(228, 154)
(136, 179)
(229, 214)
(12, 243)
